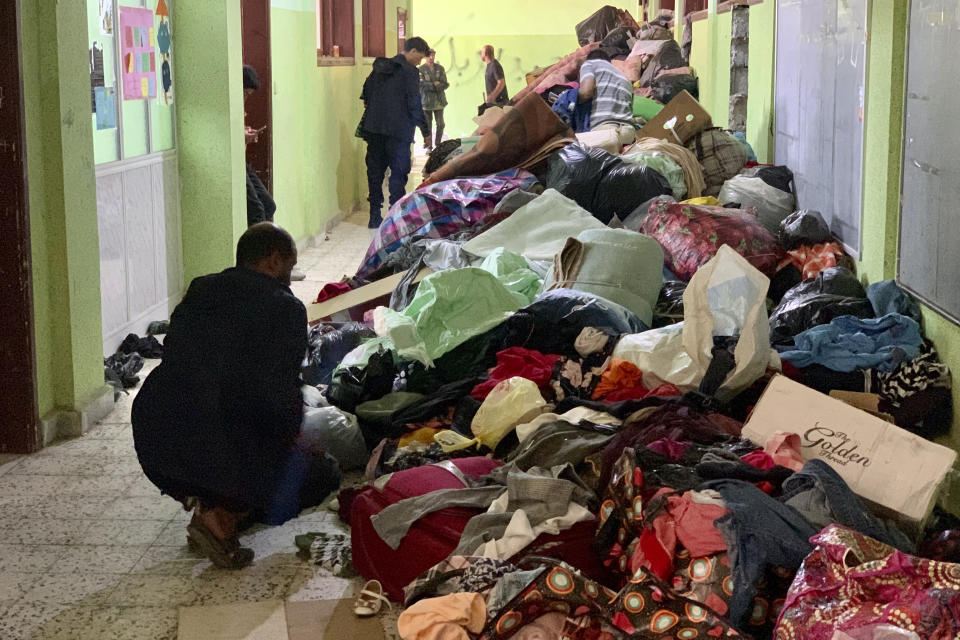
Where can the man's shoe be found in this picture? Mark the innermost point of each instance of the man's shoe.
(375, 222)
(297, 275)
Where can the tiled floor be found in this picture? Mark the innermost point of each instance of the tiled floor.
(89, 549)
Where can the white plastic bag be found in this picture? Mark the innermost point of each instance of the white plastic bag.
(514, 401)
(773, 205)
(659, 353)
(726, 297)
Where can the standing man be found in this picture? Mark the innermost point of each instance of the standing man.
(496, 81)
(433, 87)
(612, 96)
(260, 204)
(393, 111)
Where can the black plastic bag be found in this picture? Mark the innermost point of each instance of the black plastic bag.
(804, 228)
(602, 183)
(779, 177)
(625, 187)
(667, 87)
(597, 26)
(355, 385)
(834, 292)
(616, 42)
(669, 307)
(327, 345)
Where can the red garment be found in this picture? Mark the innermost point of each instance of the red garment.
(517, 362)
(812, 260)
(332, 290)
(685, 522)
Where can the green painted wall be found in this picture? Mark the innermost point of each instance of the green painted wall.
(882, 166)
(209, 85)
(62, 200)
(525, 35)
(318, 165)
(710, 58)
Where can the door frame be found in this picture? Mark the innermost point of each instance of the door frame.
(259, 106)
(20, 432)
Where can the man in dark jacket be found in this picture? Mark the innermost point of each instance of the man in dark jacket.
(216, 425)
(393, 111)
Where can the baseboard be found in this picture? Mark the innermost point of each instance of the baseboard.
(62, 423)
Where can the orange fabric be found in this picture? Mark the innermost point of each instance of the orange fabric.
(445, 618)
(812, 260)
(621, 375)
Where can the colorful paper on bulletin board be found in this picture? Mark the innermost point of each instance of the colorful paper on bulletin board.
(139, 76)
(106, 101)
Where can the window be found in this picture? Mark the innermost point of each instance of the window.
(128, 123)
(374, 29)
(335, 32)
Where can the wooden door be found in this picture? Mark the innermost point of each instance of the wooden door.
(19, 423)
(259, 106)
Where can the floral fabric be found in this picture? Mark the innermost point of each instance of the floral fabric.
(852, 583)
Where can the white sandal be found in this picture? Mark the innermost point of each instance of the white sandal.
(370, 600)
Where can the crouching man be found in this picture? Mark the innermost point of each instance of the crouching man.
(217, 423)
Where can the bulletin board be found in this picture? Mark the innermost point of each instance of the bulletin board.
(929, 258)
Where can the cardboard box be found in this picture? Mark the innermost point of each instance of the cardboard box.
(891, 468)
(679, 121)
(869, 402)
(358, 300)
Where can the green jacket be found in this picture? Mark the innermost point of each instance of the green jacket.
(434, 97)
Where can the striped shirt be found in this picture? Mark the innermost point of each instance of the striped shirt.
(613, 102)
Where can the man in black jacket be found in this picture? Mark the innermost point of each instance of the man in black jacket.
(393, 111)
(216, 425)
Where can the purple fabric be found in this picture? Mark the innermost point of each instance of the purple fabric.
(669, 448)
(441, 210)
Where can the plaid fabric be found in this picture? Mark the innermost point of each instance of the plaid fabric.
(613, 103)
(440, 210)
(721, 155)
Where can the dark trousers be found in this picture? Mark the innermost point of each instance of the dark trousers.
(427, 130)
(385, 152)
(260, 204)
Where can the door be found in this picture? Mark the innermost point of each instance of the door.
(20, 430)
(259, 106)
(401, 29)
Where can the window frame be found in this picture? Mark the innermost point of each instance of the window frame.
(330, 28)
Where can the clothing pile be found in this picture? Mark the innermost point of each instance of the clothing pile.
(552, 422)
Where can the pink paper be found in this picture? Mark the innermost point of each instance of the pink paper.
(135, 24)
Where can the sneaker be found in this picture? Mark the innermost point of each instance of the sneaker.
(297, 275)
